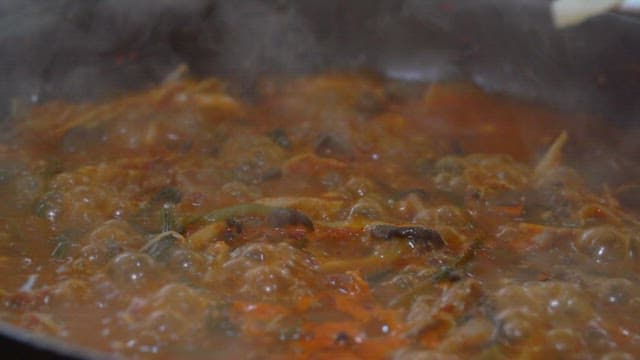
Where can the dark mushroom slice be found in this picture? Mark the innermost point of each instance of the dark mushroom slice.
(279, 217)
(418, 234)
(276, 216)
(280, 137)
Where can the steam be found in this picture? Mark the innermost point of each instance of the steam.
(87, 49)
(90, 49)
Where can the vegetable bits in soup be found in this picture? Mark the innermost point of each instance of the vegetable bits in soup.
(332, 216)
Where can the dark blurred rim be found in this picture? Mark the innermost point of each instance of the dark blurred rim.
(23, 344)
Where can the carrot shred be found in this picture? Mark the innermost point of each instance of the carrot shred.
(259, 310)
(511, 210)
(352, 307)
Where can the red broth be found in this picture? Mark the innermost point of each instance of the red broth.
(335, 216)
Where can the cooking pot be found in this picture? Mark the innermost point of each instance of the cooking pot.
(88, 49)
(92, 49)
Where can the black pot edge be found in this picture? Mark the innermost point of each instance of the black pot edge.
(24, 344)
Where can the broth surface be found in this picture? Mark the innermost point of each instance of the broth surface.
(333, 216)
